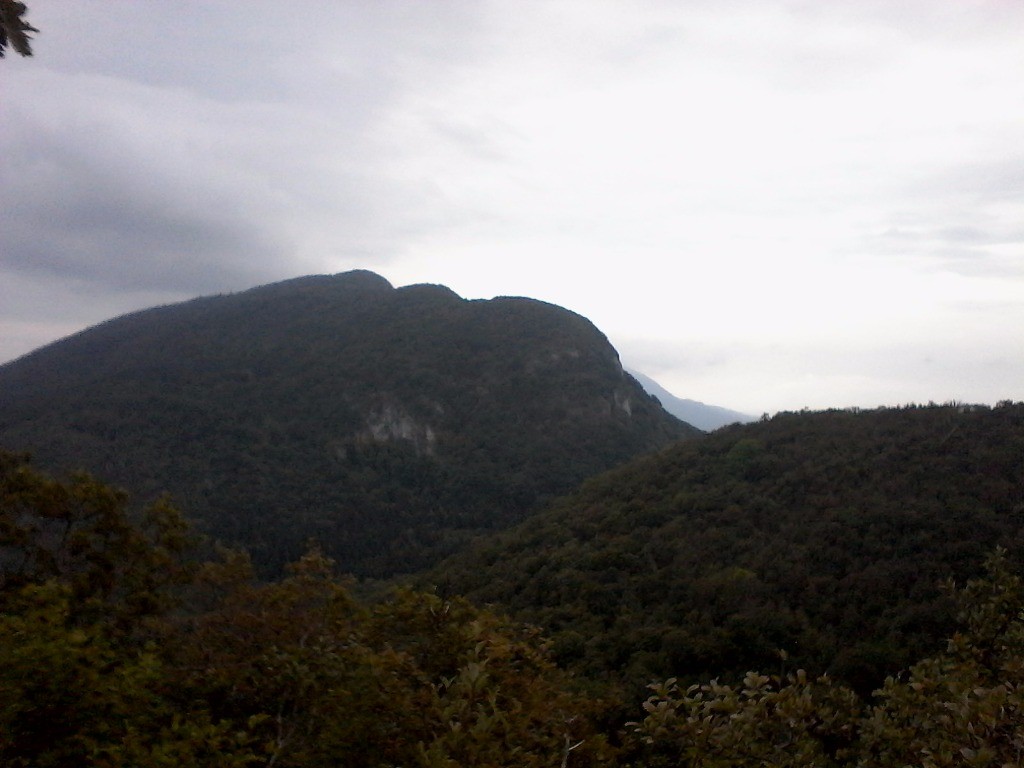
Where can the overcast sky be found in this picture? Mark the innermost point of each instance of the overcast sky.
(764, 205)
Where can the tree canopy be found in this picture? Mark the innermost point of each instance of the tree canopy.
(827, 535)
(120, 648)
(117, 649)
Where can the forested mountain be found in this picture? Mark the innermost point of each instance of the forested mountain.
(824, 535)
(389, 424)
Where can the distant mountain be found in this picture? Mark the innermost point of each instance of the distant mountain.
(390, 424)
(826, 535)
(706, 417)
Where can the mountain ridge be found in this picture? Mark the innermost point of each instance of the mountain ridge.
(391, 423)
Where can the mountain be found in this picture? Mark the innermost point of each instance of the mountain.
(706, 417)
(826, 535)
(390, 424)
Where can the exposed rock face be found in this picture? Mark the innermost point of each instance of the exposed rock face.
(390, 423)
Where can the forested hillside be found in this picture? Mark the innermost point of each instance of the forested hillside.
(119, 648)
(823, 535)
(389, 424)
(395, 426)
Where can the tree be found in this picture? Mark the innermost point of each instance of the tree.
(964, 707)
(317, 679)
(113, 653)
(81, 534)
(767, 722)
(82, 584)
(14, 30)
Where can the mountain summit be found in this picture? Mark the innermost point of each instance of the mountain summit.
(391, 424)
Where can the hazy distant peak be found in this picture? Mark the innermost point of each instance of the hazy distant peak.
(700, 415)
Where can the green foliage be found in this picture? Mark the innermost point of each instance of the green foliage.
(827, 535)
(319, 679)
(73, 694)
(963, 707)
(392, 425)
(219, 669)
(80, 533)
(81, 587)
(764, 722)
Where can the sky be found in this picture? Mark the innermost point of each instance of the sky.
(765, 205)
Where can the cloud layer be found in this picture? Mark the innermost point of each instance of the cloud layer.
(764, 205)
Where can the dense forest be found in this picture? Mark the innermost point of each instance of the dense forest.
(424, 531)
(390, 424)
(120, 648)
(826, 536)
